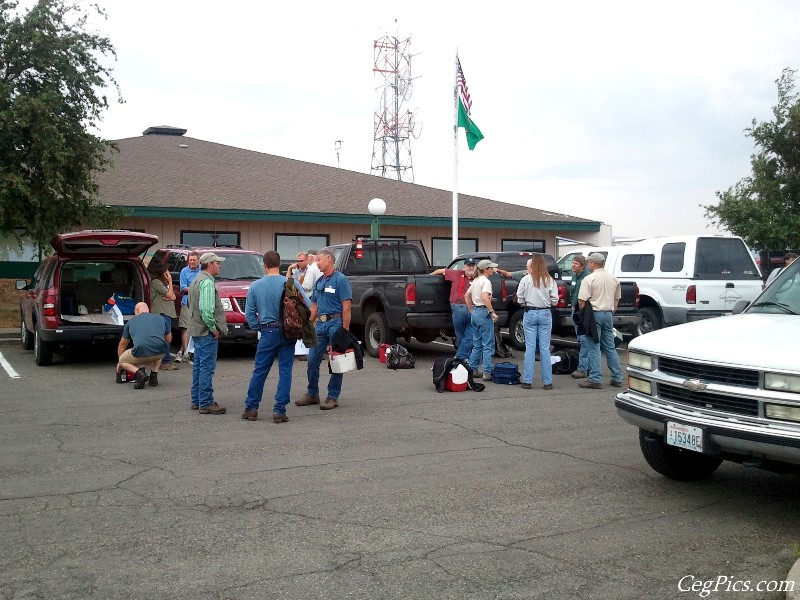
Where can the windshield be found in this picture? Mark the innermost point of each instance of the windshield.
(238, 265)
(783, 295)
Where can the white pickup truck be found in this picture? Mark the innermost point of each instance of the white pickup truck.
(720, 389)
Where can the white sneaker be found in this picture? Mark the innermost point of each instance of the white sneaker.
(179, 357)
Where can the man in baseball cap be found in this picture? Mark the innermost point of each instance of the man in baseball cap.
(486, 264)
(460, 280)
(209, 257)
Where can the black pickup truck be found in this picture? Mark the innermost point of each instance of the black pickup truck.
(393, 291)
(510, 314)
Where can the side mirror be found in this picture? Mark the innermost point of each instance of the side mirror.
(21, 285)
(740, 306)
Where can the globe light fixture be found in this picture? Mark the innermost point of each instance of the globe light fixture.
(376, 207)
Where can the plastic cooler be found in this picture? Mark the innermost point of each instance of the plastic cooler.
(382, 348)
(342, 362)
(456, 380)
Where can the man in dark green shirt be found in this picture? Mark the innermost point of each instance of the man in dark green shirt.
(579, 273)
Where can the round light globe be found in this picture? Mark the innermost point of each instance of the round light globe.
(376, 206)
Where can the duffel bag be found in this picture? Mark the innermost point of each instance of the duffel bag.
(506, 373)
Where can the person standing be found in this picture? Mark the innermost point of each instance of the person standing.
(162, 302)
(297, 270)
(479, 302)
(263, 311)
(187, 276)
(206, 324)
(331, 302)
(537, 292)
(149, 335)
(312, 272)
(788, 259)
(460, 280)
(579, 273)
(601, 291)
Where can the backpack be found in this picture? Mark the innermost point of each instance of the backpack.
(506, 372)
(399, 358)
(290, 318)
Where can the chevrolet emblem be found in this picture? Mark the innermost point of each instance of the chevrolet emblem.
(694, 384)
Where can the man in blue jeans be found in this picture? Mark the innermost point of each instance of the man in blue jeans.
(579, 273)
(263, 313)
(601, 289)
(206, 323)
(331, 300)
(460, 280)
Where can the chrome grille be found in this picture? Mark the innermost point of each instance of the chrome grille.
(731, 404)
(241, 303)
(709, 373)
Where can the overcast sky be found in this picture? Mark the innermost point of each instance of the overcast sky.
(631, 113)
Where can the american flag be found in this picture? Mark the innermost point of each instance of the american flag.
(461, 82)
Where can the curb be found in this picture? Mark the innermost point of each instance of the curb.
(9, 337)
(794, 577)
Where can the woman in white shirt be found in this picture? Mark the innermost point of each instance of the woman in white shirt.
(479, 302)
(536, 293)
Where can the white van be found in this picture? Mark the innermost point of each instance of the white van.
(685, 278)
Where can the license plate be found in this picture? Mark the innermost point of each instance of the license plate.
(684, 436)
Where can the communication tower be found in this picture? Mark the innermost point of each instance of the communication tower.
(394, 123)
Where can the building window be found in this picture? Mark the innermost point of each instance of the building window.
(210, 238)
(522, 245)
(289, 245)
(443, 249)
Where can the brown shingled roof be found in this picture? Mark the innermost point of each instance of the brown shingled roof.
(173, 170)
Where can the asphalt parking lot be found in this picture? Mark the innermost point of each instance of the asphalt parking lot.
(401, 492)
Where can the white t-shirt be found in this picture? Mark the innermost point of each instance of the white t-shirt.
(479, 285)
(312, 274)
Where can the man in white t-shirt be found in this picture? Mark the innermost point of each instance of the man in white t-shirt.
(312, 272)
(479, 301)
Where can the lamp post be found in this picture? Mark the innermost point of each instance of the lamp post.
(376, 208)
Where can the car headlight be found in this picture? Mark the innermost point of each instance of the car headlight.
(640, 385)
(640, 361)
(782, 413)
(782, 383)
(226, 304)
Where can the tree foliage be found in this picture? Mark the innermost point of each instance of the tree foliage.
(51, 82)
(764, 208)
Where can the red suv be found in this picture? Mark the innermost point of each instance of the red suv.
(63, 303)
(239, 269)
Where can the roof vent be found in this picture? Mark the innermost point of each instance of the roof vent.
(164, 130)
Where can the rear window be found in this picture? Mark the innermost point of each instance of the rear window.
(724, 258)
(637, 263)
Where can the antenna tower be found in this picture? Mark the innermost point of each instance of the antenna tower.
(394, 123)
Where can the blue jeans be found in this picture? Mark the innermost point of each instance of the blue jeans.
(605, 330)
(272, 343)
(205, 363)
(537, 324)
(167, 355)
(325, 333)
(462, 324)
(482, 340)
(583, 355)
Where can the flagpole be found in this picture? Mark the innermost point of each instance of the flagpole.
(455, 159)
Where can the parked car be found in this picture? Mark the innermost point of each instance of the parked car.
(239, 269)
(393, 291)
(719, 389)
(63, 303)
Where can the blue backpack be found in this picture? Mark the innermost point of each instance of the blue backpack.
(506, 372)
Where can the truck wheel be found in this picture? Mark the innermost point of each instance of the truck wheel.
(651, 320)
(24, 335)
(516, 330)
(675, 463)
(377, 332)
(43, 351)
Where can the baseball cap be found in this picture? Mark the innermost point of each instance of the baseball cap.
(209, 257)
(596, 258)
(486, 264)
(469, 261)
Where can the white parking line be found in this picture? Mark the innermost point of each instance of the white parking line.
(7, 366)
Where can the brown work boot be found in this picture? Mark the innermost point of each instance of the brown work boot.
(307, 400)
(590, 385)
(213, 409)
(170, 366)
(329, 404)
(278, 418)
(579, 375)
(250, 414)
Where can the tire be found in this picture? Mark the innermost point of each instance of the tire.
(516, 331)
(651, 320)
(676, 463)
(25, 336)
(377, 332)
(43, 351)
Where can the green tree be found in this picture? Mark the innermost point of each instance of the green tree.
(764, 208)
(51, 82)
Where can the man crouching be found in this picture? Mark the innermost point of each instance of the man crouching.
(151, 337)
